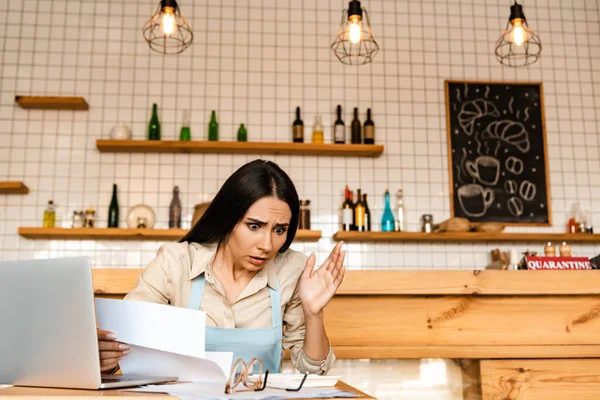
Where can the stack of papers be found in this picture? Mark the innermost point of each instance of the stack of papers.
(292, 381)
(164, 340)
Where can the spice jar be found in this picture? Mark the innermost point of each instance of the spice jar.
(427, 225)
(77, 219)
(549, 250)
(304, 219)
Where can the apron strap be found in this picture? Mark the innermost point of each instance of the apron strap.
(197, 292)
(275, 307)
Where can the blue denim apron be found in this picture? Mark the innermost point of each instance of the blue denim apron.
(245, 343)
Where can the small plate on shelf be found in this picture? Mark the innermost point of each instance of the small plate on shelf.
(140, 216)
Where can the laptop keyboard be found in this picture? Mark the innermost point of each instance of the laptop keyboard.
(117, 378)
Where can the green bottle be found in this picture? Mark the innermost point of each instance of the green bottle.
(154, 125)
(213, 128)
(113, 210)
(387, 220)
(185, 135)
(242, 134)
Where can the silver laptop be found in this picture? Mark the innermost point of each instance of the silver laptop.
(48, 336)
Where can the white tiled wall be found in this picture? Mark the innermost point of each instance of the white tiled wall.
(254, 61)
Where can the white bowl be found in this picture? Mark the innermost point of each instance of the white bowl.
(120, 132)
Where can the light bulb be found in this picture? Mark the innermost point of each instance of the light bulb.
(518, 35)
(168, 25)
(355, 30)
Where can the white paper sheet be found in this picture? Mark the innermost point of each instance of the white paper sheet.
(154, 326)
(212, 391)
(214, 367)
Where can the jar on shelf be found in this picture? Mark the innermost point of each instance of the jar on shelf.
(304, 219)
(427, 225)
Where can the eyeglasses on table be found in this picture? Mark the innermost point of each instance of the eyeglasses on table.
(251, 376)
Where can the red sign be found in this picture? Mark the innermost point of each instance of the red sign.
(537, 263)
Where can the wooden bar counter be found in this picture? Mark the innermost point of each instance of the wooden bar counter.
(524, 334)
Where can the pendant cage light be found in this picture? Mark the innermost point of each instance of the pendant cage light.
(354, 43)
(518, 46)
(167, 31)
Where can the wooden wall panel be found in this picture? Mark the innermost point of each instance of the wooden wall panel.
(540, 379)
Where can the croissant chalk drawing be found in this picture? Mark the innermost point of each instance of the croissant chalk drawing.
(510, 132)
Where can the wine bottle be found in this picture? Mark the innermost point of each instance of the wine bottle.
(213, 127)
(185, 134)
(113, 210)
(154, 124)
(175, 210)
(339, 128)
(347, 211)
(367, 214)
(353, 206)
(242, 134)
(356, 129)
(400, 212)
(369, 129)
(298, 128)
(359, 212)
(387, 220)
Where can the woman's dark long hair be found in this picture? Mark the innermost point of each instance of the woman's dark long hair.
(251, 182)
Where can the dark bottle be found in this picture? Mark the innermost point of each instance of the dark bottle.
(213, 127)
(367, 214)
(353, 227)
(339, 128)
(113, 210)
(298, 128)
(347, 213)
(359, 212)
(356, 129)
(242, 134)
(154, 125)
(175, 210)
(369, 129)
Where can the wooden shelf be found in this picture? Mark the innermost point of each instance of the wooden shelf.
(175, 146)
(125, 234)
(13, 187)
(464, 237)
(52, 102)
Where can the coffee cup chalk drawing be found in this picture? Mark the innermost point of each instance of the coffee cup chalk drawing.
(497, 152)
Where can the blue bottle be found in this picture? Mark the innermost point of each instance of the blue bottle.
(387, 220)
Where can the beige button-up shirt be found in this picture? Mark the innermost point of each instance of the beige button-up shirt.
(168, 280)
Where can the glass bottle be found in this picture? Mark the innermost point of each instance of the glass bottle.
(317, 136)
(242, 134)
(347, 211)
(185, 135)
(353, 227)
(298, 128)
(359, 212)
(573, 225)
(175, 210)
(90, 218)
(400, 212)
(49, 215)
(304, 214)
(356, 129)
(369, 129)
(213, 127)
(367, 214)
(113, 210)
(387, 220)
(339, 128)
(154, 125)
(77, 221)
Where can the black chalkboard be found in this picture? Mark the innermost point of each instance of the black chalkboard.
(497, 152)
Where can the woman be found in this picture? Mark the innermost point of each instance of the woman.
(235, 264)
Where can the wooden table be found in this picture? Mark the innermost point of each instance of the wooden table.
(516, 334)
(24, 393)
